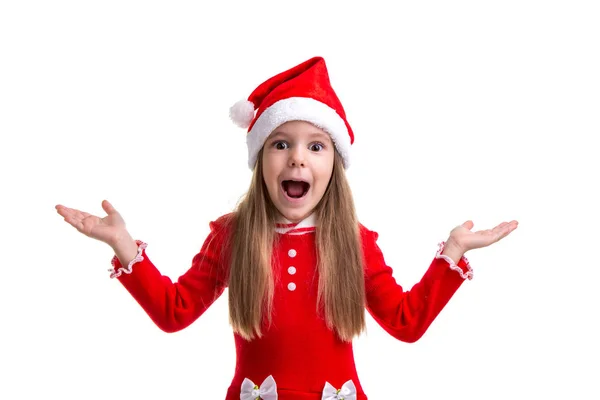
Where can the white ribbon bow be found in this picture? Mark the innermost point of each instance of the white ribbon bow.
(347, 392)
(266, 391)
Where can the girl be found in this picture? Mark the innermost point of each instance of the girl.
(300, 268)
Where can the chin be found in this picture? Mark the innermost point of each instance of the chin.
(295, 215)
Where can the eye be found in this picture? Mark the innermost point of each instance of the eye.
(280, 145)
(317, 146)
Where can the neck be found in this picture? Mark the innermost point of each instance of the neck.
(284, 225)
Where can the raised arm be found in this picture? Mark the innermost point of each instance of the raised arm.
(406, 315)
(175, 305)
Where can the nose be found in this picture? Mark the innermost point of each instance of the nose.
(297, 157)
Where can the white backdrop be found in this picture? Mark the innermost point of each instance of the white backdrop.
(462, 110)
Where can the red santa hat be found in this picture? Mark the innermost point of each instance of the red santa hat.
(302, 93)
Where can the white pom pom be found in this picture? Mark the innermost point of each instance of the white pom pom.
(242, 113)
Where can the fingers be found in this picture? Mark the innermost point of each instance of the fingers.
(468, 224)
(69, 214)
(498, 232)
(72, 216)
(78, 215)
(77, 224)
(499, 228)
(108, 207)
(502, 230)
(65, 211)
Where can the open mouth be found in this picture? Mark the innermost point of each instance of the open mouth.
(295, 189)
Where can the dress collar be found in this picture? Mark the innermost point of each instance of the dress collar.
(285, 226)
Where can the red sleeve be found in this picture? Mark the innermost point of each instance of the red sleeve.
(406, 315)
(174, 306)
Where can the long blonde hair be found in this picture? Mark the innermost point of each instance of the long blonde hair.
(341, 291)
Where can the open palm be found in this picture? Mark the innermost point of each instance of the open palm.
(468, 240)
(108, 229)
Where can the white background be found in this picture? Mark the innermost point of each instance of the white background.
(462, 110)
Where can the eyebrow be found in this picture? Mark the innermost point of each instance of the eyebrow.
(321, 135)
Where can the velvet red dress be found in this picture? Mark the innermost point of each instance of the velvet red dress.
(296, 351)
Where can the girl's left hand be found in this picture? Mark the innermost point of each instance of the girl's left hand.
(464, 239)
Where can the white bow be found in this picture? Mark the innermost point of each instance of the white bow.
(347, 392)
(266, 391)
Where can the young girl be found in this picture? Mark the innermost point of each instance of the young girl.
(300, 268)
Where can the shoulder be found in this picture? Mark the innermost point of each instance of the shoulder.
(221, 230)
(222, 223)
(367, 235)
(217, 244)
(374, 263)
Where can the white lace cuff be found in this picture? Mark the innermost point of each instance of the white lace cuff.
(128, 269)
(453, 266)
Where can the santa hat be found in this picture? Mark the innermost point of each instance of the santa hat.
(302, 93)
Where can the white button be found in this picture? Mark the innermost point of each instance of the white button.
(292, 253)
(291, 286)
(291, 270)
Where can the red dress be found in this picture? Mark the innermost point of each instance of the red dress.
(295, 352)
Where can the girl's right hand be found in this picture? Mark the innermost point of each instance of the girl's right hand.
(109, 229)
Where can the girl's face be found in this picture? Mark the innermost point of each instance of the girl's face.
(297, 166)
